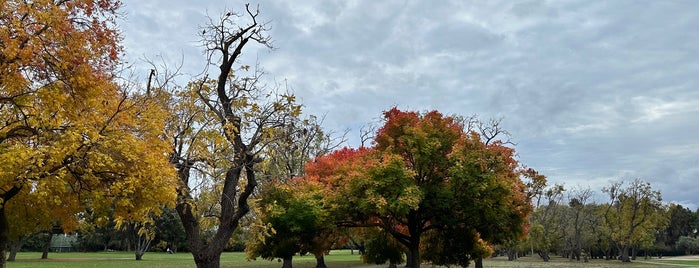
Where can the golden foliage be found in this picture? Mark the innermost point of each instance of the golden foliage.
(70, 137)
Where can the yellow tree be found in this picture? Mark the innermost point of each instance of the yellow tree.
(219, 128)
(70, 136)
(633, 215)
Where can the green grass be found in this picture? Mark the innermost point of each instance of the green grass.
(336, 259)
(530, 262)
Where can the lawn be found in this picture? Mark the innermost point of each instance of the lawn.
(336, 259)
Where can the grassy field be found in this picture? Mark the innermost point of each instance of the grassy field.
(336, 259)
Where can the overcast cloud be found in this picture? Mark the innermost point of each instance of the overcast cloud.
(591, 91)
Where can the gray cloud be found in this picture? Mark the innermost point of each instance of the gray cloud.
(593, 92)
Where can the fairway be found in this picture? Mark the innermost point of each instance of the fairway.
(336, 259)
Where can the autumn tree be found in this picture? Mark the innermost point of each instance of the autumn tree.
(70, 136)
(425, 174)
(298, 142)
(547, 230)
(633, 215)
(218, 128)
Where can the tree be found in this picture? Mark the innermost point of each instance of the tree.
(680, 224)
(71, 137)
(581, 213)
(690, 245)
(382, 248)
(218, 129)
(547, 222)
(299, 141)
(633, 215)
(425, 175)
(290, 220)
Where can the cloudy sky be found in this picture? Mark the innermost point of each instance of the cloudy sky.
(591, 91)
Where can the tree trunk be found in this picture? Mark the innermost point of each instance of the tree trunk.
(47, 246)
(511, 254)
(139, 255)
(16, 246)
(479, 262)
(287, 262)
(625, 254)
(4, 225)
(207, 260)
(320, 261)
(414, 256)
(4, 236)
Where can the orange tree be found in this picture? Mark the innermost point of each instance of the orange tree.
(427, 179)
(70, 136)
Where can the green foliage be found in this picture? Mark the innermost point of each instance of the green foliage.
(288, 221)
(382, 248)
(690, 245)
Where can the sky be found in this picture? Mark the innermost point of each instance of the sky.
(592, 92)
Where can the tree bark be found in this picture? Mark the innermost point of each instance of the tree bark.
(414, 256)
(4, 236)
(287, 262)
(479, 262)
(139, 255)
(320, 261)
(16, 246)
(47, 246)
(625, 254)
(4, 225)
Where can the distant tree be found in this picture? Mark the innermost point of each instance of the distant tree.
(169, 231)
(688, 244)
(580, 219)
(680, 224)
(548, 224)
(634, 214)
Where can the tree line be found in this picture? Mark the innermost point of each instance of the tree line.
(633, 221)
(223, 158)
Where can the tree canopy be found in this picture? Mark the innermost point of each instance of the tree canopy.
(425, 175)
(71, 137)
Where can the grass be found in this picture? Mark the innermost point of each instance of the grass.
(336, 259)
(532, 262)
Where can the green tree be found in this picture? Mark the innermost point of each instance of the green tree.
(680, 224)
(690, 245)
(382, 248)
(547, 230)
(289, 221)
(580, 222)
(634, 215)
